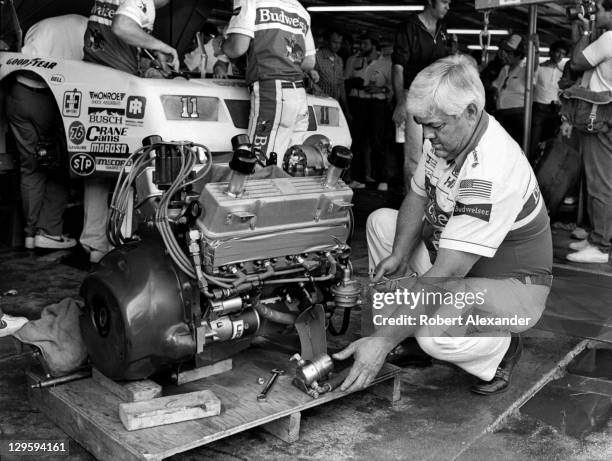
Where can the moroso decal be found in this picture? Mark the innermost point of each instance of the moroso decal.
(108, 148)
(76, 133)
(72, 103)
(106, 115)
(57, 78)
(111, 98)
(31, 62)
(136, 107)
(105, 133)
(82, 164)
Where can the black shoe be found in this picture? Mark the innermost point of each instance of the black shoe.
(501, 381)
(408, 353)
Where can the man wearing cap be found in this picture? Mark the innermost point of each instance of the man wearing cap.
(510, 85)
(276, 36)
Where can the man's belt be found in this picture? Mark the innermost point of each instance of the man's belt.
(296, 84)
(545, 280)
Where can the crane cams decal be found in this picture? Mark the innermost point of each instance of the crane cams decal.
(76, 133)
(82, 164)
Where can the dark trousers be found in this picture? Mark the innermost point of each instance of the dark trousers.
(544, 125)
(33, 116)
(369, 146)
(597, 156)
(512, 121)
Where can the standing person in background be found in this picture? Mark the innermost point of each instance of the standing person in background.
(219, 66)
(330, 67)
(115, 32)
(546, 103)
(595, 60)
(33, 117)
(276, 36)
(420, 41)
(370, 82)
(510, 85)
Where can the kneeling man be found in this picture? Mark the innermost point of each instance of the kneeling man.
(474, 231)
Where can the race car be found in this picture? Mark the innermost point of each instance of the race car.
(107, 113)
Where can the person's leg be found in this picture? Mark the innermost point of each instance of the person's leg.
(19, 104)
(479, 348)
(265, 115)
(359, 146)
(598, 172)
(51, 218)
(538, 123)
(293, 121)
(376, 161)
(95, 208)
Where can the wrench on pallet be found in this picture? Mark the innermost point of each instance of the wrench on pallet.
(275, 374)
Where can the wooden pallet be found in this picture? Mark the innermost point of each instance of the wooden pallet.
(89, 413)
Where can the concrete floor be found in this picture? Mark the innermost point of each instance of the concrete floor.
(437, 418)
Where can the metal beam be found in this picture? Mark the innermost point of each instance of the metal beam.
(487, 4)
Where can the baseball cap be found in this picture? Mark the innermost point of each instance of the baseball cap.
(512, 43)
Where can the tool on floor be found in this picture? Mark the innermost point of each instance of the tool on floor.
(316, 377)
(62, 379)
(275, 374)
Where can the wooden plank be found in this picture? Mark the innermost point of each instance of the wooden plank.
(287, 429)
(390, 390)
(90, 432)
(96, 409)
(203, 372)
(168, 410)
(135, 391)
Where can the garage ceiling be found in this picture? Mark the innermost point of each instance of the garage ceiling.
(177, 22)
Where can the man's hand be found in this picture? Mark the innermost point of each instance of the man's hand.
(220, 69)
(399, 114)
(370, 354)
(392, 264)
(168, 58)
(566, 129)
(217, 43)
(314, 76)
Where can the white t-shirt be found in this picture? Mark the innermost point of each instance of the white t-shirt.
(59, 37)
(489, 206)
(546, 89)
(140, 11)
(511, 86)
(599, 55)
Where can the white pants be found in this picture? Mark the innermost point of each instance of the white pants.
(95, 207)
(478, 355)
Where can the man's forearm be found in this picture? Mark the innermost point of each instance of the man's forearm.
(397, 77)
(409, 224)
(132, 34)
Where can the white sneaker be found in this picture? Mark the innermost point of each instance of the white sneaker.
(9, 324)
(580, 245)
(590, 254)
(356, 185)
(579, 233)
(54, 242)
(29, 243)
(569, 200)
(383, 187)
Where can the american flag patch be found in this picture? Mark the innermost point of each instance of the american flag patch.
(475, 188)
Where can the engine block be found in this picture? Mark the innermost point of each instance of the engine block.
(274, 218)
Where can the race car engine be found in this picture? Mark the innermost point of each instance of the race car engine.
(221, 258)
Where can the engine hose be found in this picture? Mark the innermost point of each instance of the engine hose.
(273, 315)
(346, 319)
